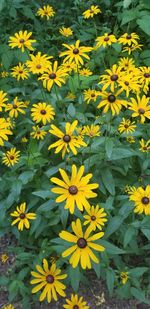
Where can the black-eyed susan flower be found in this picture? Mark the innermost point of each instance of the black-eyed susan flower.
(3, 99)
(95, 217)
(105, 40)
(67, 141)
(82, 245)
(66, 31)
(4, 258)
(10, 306)
(90, 95)
(24, 139)
(144, 78)
(4, 130)
(21, 40)
(141, 198)
(130, 139)
(85, 72)
(145, 146)
(129, 83)
(75, 190)
(15, 108)
(129, 39)
(126, 126)
(48, 279)
(69, 67)
(22, 217)
(111, 78)
(92, 130)
(93, 10)
(75, 53)
(11, 157)
(4, 74)
(140, 107)
(20, 72)
(38, 133)
(126, 64)
(46, 11)
(38, 63)
(75, 302)
(42, 112)
(54, 75)
(124, 276)
(111, 101)
(132, 48)
(70, 96)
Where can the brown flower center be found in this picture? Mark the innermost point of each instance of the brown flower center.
(106, 39)
(52, 75)
(127, 83)
(15, 106)
(50, 279)
(11, 157)
(145, 200)
(76, 51)
(22, 41)
(144, 148)
(82, 243)
(22, 216)
(43, 112)
(114, 77)
(141, 110)
(20, 72)
(147, 75)
(91, 11)
(128, 37)
(75, 307)
(73, 190)
(93, 95)
(111, 98)
(38, 66)
(66, 138)
(126, 126)
(93, 218)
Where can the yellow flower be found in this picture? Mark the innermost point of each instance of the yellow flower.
(95, 217)
(128, 188)
(124, 276)
(144, 78)
(38, 63)
(129, 39)
(38, 133)
(83, 244)
(48, 278)
(93, 10)
(67, 141)
(105, 40)
(111, 101)
(53, 75)
(20, 72)
(3, 99)
(69, 67)
(46, 11)
(15, 108)
(145, 146)
(42, 112)
(11, 157)
(140, 108)
(75, 53)
(21, 40)
(132, 48)
(75, 190)
(8, 307)
(70, 96)
(4, 258)
(130, 139)
(75, 302)
(111, 79)
(65, 31)
(126, 126)
(92, 131)
(4, 130)
(129, 83)
(85, 72)
(24, 140)
(141, 199)
(4, 74)
(126, 64)
(91, 95)
(23, 217)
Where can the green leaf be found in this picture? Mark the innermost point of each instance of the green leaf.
(74, 274)
(110, 279)
(26, 177)
(2, 4)
(140, 295)
(110, 248)
(71, 110)
(138, 271)
(108, 180)
(146, 232)
(4, 280)
(144, 23)
(126, 3)
(109, 147)
(43, 194)
(130, 232)
(113, 225)
(120, 153)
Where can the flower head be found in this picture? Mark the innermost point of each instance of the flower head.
(132, 48)
(4, 258)
(38, 133)
(85, 72)
(144, 78)
(111, 101)
(75, 53)
(15, 108)
(20, 72)
(91, 131)
(95, 217)
(10, 306)
(21, 40)
(145, 146)
(141, 199)
(140, 108)
(22, 217)
(75, 302)
(46, 11)
(53, 75)
(38, 63)
(129, 39)
(105, 40)
(130, 139)
(3, 99)
(112, 78)
(4, 130)
(124, 276)
(126, 126)
(90, 95)
(93, 10)
(42, 112)
(11, 157)
(65, 31)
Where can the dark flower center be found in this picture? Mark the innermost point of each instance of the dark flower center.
(93, 95)
(11, 157)
(22, 41)
(126, 126)
(146, 75)
(52, 76)
(82, 243)
(75, 307)
(141, 111)
(126, 83)
(76, 51)
(22, 216)
(114, 77)
(15, 106)
(145, 200)
(91, 11)
(50, 279)
(145, 148)
(20, 72)
(43, 111)
(38, 66)
(66, 138)
(111, 98)
(128, 37)
(106, 39)
(93, 218)
(73, 190)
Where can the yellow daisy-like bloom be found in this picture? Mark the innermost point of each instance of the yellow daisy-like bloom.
(65, 31)
(4, 74)
(90, 95)
(145, 146)
(140, 108)
(83, 244)
(75, 190)
(4, 130)
(92, 130)
(4, 258)
(38, 63)
(20, 72)
(22, 217)
(67, 141)
(105, 40)
(69, 67)
(75, 53)
(10, 306)
(85, 72)
(129, 83)
(53, 75)
(46, 11)
(130, 139)
(96, 217)
(93, 10)
(75, 302)
(126, 64)
(15, 108)
(42, 112)
(124, 276)
(24, 140)
(132, 48)
(48, 279)
(3, 99)
(11, 157)
(111, 101)
(126, 126)
(38, 133)
(21, 40)
(129, 39)
(141, 199)
(112, 78)
(144, 78)
(70, 96)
